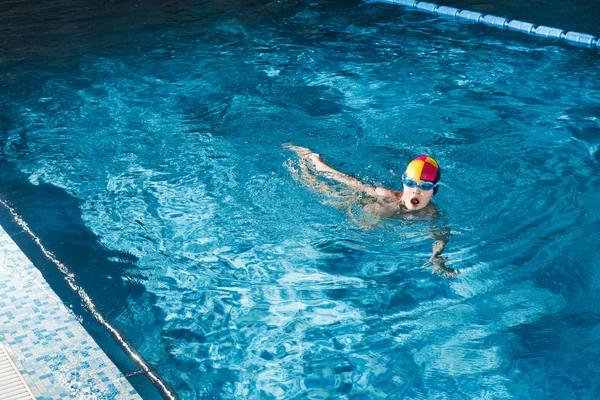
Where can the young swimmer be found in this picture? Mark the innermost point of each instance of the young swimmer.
(420, 183)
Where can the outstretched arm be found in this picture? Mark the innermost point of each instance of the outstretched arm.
(317, 161)
(441, 236)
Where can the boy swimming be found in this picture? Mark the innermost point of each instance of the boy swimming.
(420, 183)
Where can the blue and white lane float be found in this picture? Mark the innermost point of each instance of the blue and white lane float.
(573, 38)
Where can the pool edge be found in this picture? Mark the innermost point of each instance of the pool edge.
(54, 353)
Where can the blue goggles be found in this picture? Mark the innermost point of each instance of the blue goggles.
(411, 183)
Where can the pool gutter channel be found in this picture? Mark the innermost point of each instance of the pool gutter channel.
(123, 342)
(12, 384)
(570, 37)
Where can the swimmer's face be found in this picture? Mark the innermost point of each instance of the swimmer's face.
(415, 198)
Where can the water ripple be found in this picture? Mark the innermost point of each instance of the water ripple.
(166, 122)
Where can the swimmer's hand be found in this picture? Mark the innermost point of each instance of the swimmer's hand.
(299, 150)
(439, 263)
(307, 154)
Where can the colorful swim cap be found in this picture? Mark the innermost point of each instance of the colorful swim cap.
(424, 168)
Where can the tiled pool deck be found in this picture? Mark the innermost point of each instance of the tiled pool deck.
(56, 356)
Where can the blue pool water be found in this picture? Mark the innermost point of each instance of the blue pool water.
(142, 142)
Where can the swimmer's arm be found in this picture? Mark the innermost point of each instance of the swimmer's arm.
(346, 179)
(441, 239)
(438, 246)
(340, 176)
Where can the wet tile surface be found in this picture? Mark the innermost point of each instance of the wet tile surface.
(55, 355)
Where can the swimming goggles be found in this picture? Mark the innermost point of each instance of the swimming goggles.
(411, 183)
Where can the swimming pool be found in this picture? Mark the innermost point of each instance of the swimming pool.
(142, 143)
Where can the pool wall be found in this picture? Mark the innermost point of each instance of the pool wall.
(573, 38)
(57, 358)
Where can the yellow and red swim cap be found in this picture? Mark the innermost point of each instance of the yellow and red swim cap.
(424, 168)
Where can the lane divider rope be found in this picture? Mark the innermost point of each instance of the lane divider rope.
(572, 38)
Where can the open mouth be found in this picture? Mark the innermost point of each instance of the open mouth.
(414, 201)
